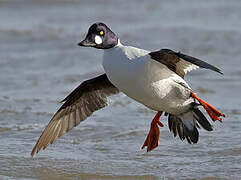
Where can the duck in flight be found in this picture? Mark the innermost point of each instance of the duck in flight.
(155, 79)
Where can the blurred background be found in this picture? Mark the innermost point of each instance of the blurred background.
(40, 63)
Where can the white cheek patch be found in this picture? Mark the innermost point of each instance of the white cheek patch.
(98, 40)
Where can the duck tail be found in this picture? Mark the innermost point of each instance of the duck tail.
(186, 124)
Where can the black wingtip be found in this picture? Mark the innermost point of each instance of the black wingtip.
(211, 67)
(198, 62)
(219, 71)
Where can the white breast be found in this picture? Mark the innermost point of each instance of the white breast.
(149, 82)
(124, 67)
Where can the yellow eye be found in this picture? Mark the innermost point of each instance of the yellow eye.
(101, 33)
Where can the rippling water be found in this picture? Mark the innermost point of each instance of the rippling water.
(40, 64)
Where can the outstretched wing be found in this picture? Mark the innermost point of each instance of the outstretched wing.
(180, 63)
(89, 96)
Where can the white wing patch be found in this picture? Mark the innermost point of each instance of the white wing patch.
(185, 66)
(190, 68)
(98, 39)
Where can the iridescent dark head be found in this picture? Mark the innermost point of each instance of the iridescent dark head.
(99, 36)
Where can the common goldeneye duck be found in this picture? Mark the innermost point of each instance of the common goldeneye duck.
(155, 79)
(99, 36)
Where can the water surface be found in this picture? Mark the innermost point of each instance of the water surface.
(40, 64)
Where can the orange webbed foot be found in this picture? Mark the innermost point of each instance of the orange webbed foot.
(212, 112)
(152, 138)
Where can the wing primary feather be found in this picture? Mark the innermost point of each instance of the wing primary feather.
(180, 63)
(89, 96)
(198, 62)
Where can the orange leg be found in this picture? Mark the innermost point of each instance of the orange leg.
(212, 112)
(153, 136)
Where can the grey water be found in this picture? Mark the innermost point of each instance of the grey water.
(40, 63)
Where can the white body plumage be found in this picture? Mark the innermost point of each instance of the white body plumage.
(145, 80)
